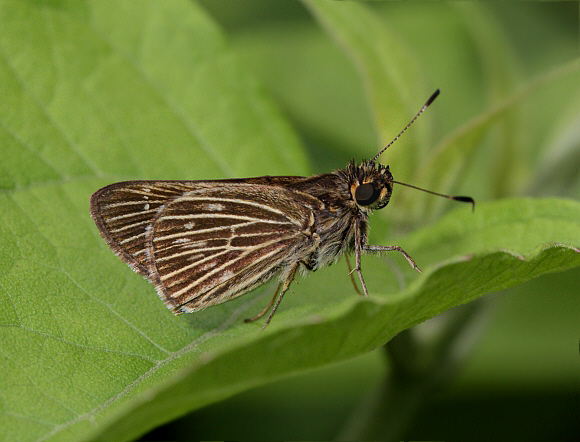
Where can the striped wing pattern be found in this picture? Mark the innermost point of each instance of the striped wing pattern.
(123, 212)
(202, 243)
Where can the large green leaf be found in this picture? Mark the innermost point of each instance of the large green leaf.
(98, 91)
(88, 342)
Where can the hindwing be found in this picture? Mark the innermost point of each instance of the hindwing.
(204, 242)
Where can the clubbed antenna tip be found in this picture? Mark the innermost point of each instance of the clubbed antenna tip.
(425, 106)
(463, 199)
(466, 199)
(432, 98)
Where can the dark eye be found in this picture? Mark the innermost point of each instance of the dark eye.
(366, 194)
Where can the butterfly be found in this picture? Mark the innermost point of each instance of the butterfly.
(202, 243)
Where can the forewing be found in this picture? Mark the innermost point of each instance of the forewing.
(222, 239)
(124, 211)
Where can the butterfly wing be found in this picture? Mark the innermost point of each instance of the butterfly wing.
(208, 241)
(123, 212)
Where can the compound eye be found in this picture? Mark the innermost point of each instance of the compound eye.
(366, 194)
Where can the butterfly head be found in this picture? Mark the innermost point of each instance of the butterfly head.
(371, 185)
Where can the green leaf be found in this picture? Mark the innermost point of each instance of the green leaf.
(90, 342)
(98, 91)
(326, 328)
(119, 95)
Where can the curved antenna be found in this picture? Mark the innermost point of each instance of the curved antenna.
(425, 106)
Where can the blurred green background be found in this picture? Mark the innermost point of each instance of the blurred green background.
(521, 373)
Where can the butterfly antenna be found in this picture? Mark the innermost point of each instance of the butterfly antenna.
(425, 106)
(463, 199)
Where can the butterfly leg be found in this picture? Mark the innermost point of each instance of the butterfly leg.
(359, 243)
(380, 249)
(351, 274)
(360, 246)
(285, 287)
(268, 307)
(277, 299)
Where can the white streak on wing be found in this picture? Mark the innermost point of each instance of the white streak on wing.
(228, 274)
(199, 244)
(129, 215)
(194, 250)
(195, 258)
(191, 246)
(126, 240)
(206, 266)
(149, 249)
(215, 207)
(233, 200)
(131, 203)
(211, 229)
(129, 226)
(251, 221)
(213, 215)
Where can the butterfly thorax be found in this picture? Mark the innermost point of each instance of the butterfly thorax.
(349, 196)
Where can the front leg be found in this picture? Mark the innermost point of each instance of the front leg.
(360, 242)
(379, 249)
(360, 246)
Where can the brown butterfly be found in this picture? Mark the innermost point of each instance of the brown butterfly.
(202, 243)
